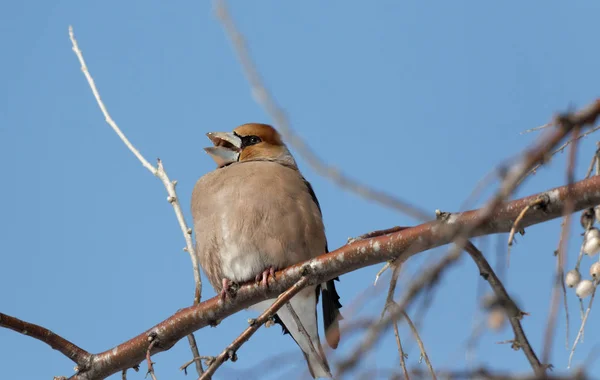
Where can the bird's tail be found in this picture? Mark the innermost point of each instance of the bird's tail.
(331, 313)
(304, 305)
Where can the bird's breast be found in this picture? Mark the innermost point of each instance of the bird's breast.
(247, 221)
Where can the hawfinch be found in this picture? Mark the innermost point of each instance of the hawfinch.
(256, 214)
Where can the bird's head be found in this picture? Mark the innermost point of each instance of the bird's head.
(248, 142)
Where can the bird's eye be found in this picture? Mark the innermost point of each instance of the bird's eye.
(250, 140)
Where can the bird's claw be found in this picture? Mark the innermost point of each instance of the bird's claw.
(263, 277)
(229, 288)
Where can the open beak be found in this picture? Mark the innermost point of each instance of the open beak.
(227, 147)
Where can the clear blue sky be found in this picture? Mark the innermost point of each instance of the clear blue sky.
(417, 99)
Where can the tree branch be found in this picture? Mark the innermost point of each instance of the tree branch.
(399, 245)
(80, 356)
(159, 172)
(513, 313)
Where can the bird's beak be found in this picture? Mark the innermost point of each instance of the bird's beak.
(227, 147)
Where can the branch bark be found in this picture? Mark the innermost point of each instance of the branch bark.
(80, 356)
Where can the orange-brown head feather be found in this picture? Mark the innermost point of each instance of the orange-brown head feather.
(249, 142)
(261, 142)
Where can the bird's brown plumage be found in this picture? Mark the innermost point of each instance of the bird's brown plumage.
(245, 210)
(258, 213)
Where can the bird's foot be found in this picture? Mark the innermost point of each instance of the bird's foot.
(263, 277)
(228, 289)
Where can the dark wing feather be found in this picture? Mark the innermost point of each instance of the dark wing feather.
(331, 298)
(280, 322)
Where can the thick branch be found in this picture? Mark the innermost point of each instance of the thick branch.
(359, 254)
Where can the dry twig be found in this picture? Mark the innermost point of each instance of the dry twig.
(160, 173)
(511, 236)
(424, 355)
(153, 341)
(230, 351)
(562, 246)
(560, 149)
(374, 333)
(388, 303)
(401, 353)
(513, 312)
(536, 128)
(583, 322)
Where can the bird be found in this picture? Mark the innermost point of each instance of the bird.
(255, 214)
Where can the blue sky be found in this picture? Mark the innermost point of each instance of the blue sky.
(416, 99)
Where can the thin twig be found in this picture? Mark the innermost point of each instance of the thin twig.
(303, 331)
(149, 358)
(424, 355)
(592, 165)
(230, 351)
(583, 322)
(513, 313)
(560, 149)
(537, 128)
(374, 333)
(487, 374)
(381, 271)
(207, 360)
(195, 354)
(566, 305)
(515, 227)
(156, 171)
(159, 172)
(267, 102)
(401, 353)
(562, 246)
(388, 302)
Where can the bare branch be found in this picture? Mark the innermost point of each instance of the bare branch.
(561, 251)
(582, 327)
(537, 155)
(515, 227)
(513, 313)
(486, 374)
(401, 352)
(413, 328)
(195, 354)
(399, 245)
(150, 372)
(78, 355)
(560, 149)
(536, 128)
(158, 171)
(374, 333)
